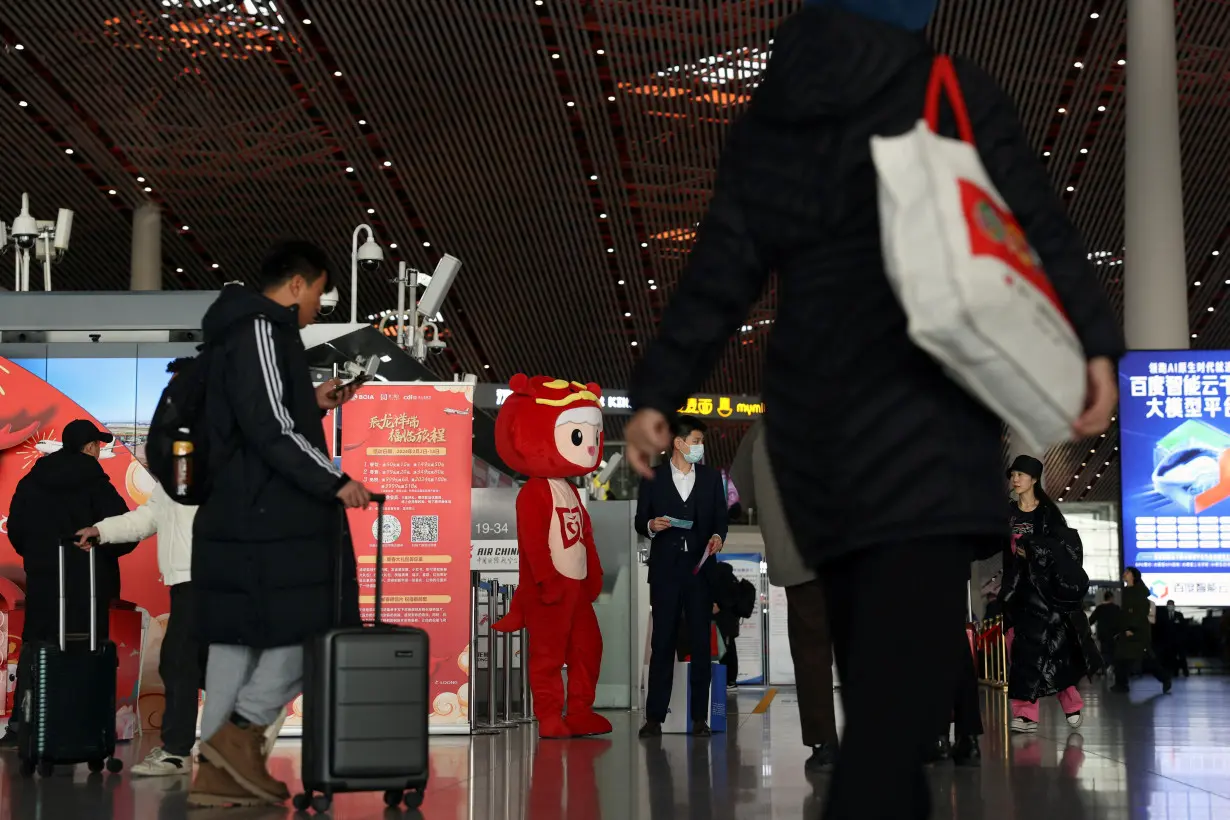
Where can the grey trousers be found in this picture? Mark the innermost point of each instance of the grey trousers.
(255, 683)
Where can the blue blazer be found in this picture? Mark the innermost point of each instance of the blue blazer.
(677, 551)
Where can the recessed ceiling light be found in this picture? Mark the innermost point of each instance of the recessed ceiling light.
(571, 104)
(1063, 111)
(1084, 150)
(68, 150)
(1193, 335)
(621, 281)
(179, 270)
(651, 281)
(601, 52)
(602, 216)
(554, 56)
(350, 169)
(653, 287)
(1211, 309)
(388, 164)
(644, 244)
(610, 99)
(1070, 189)
(309, 22)
(1078, 65)
(1217, 253)
(185, 227)
(23, 103)
(426, 244)
(140, 179)
(1093, 16)
(1046, 153)
(19, 47)
(486, 367)
(148, 190)
(216, 265)
(610, 250)
(362, 122)
(1101, 108)
(537, 2)
(112, 192)
(1196, 283)
(337, 73)
(593, 177)
(627, 315)
(392, 245)
(371, 210)
(634, 344)
(1123, 62)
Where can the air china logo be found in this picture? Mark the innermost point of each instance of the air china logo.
(569, 525)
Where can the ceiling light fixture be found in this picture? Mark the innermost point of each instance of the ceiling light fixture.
(621, 282)
(392, 245)
(1070, 189)
(185, 228)
(1217, 253)
(148, 190)
(486, 367)
(1084, 150)
(644, 244)
(371, 210)
(1194, 336)
(554, 56)
(337, 73)
(610, 99)
(1101, 108)
(23, 103)
(216, 266)
(593, 177)
(179, 270)
(1093, 16)
(68, 150)
(1046, 153)
(1211, 308)
(350, 169)
(19, 47)
(602, 216)
(1196, 283)
(601, 52)
(1078, 65)
(1063, 111)
(140, 179)
(426, 244)
(610, 250)
(307, 22)
(1123, 62)
(571, 104)
(634, 344)
(627, 315)
(388, 164)
(112, 192)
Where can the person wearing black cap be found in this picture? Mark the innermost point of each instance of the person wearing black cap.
(1049, 640)
(64, 492)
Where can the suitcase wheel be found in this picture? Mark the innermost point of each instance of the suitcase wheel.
(115, 765)
(392, 798)
(301, 802)
(321, 803)
(96, 766)
(413, 799)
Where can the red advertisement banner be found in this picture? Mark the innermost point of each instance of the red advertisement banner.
(413, 442)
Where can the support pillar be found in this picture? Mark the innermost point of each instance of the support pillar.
(1155, 277)
(146, 271)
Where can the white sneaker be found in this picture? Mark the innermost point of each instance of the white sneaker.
(160, 764)
(1023, 726)
(1075, 720)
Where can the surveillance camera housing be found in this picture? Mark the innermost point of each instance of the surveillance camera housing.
(64, 229)
(370, 256)
(328, 302)
(441, 283)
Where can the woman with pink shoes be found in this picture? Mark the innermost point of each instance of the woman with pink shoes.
(1049, 641)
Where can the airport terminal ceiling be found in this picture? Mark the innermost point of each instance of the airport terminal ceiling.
(564, 149)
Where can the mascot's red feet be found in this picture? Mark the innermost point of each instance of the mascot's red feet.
(587, 722)
(554, 728)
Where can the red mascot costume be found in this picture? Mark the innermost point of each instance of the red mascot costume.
(550, 430)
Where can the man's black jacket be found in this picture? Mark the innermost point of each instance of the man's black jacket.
(64, 492)
(266, 541)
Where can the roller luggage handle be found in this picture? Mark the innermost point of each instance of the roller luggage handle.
(93, 600)
(379, 498)
(343, 543)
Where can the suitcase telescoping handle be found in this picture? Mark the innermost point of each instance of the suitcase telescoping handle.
(379, 498)
(344, 543)
(93, 601)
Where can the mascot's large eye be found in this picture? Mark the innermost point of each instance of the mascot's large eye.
(577, 438)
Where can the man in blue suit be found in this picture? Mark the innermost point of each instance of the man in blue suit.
(682, 510)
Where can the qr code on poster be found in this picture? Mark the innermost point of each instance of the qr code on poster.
(424, 529)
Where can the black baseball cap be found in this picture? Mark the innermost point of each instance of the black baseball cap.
(80, 432)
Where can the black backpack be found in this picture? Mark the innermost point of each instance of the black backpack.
(745, 598)
(180, 417)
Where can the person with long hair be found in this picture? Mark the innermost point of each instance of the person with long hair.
(1050, 644)
(1134, 643)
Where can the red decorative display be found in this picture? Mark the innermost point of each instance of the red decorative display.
(413, 442)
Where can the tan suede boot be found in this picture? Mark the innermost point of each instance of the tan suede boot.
(238, 752)
(215, 788)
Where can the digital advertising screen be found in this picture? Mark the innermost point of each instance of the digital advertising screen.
(1174, 422)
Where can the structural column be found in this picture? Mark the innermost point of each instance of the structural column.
(1155, 278)
(146, 269)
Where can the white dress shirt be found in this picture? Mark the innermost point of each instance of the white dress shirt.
(684, 482)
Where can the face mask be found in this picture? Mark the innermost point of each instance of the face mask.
(694, 454)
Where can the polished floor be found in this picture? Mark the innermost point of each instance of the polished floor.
(1140, 756)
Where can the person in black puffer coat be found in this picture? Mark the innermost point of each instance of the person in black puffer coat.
(1050, 644)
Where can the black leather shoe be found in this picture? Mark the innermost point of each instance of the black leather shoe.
(651, 729)
(966, 752)
(823, 758)
(938, 751)
(701, 729)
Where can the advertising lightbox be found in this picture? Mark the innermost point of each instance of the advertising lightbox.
(1174, 423)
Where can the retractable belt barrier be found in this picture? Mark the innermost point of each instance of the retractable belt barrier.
(992, 651)
(491, 602)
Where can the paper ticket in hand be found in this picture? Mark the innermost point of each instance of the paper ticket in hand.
(703, 559)
(679, 523)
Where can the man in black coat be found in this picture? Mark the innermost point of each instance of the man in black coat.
(266, 541)
(63, 492)
(682, 510)
(889, 470)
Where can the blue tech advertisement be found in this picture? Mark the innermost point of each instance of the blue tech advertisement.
(1174, 421)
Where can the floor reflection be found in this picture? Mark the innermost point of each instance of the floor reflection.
(1143, 756)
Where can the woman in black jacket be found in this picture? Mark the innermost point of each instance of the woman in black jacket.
(1050, 643)
(908, 491)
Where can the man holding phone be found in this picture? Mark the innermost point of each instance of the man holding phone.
(682, 510)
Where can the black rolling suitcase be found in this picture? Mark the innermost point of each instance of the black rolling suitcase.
(365, 708)
(68, 698)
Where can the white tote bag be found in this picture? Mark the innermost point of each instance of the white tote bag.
(973, 289)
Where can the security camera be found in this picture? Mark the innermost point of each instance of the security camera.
(436, 347)
(328, 302)
(439, 285)
(25, 227)
(370, 256)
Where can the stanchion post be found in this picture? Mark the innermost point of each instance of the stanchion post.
(527, 699)
(507, 591)
(488, 727)
(493, 613)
